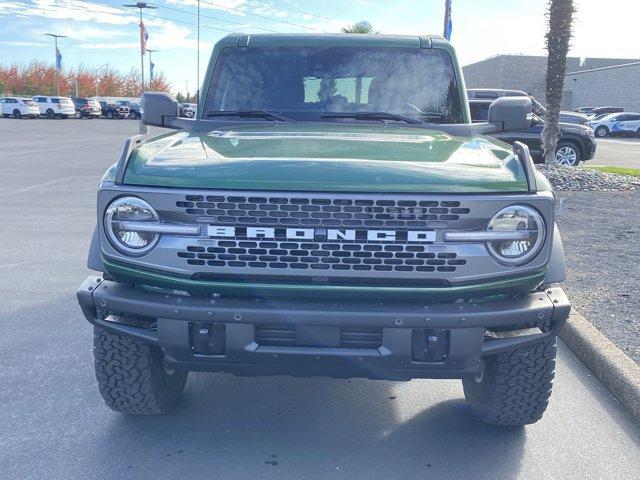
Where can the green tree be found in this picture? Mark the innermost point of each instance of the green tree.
(328, 88)
(359, 27)
(560, 17)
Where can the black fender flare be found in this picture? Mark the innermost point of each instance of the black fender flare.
(557, 271)
(94, 260)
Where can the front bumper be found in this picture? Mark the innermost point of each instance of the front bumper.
(590, 149)
(463, 332)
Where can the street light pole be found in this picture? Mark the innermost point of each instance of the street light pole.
(55, 55)
(106, 65)
(140, 6)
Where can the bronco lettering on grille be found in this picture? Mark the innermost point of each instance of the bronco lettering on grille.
(333, 234)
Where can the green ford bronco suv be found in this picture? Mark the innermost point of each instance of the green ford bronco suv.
(331, 210)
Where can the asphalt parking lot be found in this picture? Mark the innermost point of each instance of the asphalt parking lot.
(53, 423)
(617, 152)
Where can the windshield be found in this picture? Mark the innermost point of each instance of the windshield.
(306, 82)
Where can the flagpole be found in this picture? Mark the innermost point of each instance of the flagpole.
(55, 55)
(140, 6)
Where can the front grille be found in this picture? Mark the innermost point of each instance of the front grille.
(321, 212)
(275, 335)
(319, 256)
(360, 337)
(282, 335)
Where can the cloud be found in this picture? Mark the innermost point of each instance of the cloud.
(108, 46)
(24, 44)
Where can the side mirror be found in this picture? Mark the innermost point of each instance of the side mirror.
(159, 109)
(512, 113)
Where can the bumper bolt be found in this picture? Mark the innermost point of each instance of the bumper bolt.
(427, 319)
(462, 319)
(176, 311)
(237, 316)
(210, 314)
(399, 321)
(103, 303)
(541, 315)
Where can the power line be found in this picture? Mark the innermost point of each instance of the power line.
(216, 18)
(284, 7)
(223, 7)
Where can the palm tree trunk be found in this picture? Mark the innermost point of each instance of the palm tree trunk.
(560, 13)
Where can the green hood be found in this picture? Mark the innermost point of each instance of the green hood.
(319, 157)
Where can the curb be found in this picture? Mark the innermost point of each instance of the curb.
(612, 366)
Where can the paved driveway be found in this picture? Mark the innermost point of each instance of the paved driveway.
(617, 152)
(53, 424)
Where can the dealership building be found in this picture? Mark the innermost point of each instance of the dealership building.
(589, 81)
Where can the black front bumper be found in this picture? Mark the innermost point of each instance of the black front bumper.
(463, 332)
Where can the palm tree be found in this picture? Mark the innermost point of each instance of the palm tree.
(359, 27)
(560, 15)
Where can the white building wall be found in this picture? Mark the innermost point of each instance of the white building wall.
(617, 86)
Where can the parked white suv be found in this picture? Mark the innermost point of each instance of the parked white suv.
(18, 107)
(52, 107)
(623, 123)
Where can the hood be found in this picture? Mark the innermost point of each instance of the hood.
(575, 128)
(321, 157)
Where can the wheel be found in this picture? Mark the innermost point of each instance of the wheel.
(602, 131)
(515, 386)
(50, 114)
(110, 115)
(132, 377)
(17, 113)
(78, 114)
(568, 154)
(133, 115)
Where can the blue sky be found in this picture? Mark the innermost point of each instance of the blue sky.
(103, 32)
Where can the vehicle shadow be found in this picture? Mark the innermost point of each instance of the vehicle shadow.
(283, 427)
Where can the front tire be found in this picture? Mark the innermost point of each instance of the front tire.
(515, 386)
(78, 114)
(133, 115)
(17, 114)
(110, 115)
(602, 131)
(50, 114)
(132, 377)
(568, 154)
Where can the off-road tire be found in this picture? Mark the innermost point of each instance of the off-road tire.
(515, 386)
(132, 377)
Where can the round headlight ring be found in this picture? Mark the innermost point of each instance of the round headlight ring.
(536, 245)
(130, 209)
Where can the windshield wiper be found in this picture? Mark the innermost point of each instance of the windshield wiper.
(249, 113)
(371, 116)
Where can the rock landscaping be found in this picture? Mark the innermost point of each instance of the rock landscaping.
(576, 179)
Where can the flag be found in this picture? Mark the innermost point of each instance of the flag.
(151, 67)
(58, 60)
(144, 36)
(447, 19)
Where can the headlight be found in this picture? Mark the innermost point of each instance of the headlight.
(125, 239)
(528, 233)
